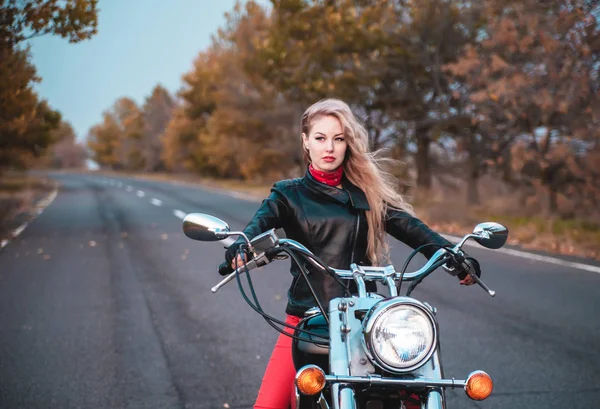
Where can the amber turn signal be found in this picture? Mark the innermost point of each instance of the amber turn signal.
(479, 385)
(310, 380)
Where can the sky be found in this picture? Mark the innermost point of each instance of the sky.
(139, 44)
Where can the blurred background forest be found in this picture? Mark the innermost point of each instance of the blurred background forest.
(491, 107)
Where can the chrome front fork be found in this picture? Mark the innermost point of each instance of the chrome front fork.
(342, 396)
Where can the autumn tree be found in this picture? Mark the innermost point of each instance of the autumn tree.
(314, 50)
(103, 141)
(531, 82)
(181, 148)
(66, 152)
(234, 123)
(20, 20)
(117, 142)
(129, 119)
(26, 122)
(156, 114)
(385, 58)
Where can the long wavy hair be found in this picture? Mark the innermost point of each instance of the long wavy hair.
(364, 169)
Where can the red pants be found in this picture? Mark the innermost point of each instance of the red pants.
(277, 388)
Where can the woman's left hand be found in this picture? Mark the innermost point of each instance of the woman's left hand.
(468, 280)
(473, 268)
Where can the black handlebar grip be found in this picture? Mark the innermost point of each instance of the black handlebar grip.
(272, 252)
(225, 269)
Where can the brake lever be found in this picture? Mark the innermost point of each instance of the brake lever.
(249, 266)
(458, 250)
(260, 260)
(492, 293)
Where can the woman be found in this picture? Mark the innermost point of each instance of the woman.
(340, 210)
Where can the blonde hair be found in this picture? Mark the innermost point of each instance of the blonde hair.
(364, 169)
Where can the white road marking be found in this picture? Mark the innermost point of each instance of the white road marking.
(179, 214)
(41, 205)
(156, 202)
(129, 188)
(119, 184)
(531, 256)
(140, 193)
(19, 230)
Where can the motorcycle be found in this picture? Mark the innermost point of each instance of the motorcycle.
(363, 350)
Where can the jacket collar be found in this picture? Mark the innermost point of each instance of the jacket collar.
(349, 193)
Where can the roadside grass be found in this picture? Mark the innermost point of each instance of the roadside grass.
(552, 234)
(19, 193)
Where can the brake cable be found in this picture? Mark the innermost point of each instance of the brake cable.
(269, 319)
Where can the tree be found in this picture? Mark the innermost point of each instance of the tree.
(20, 20)
(103, 140)
(66, 152)
(156, 114)
(117, 141)
(233, 123)
(313, 50)
(25, 122)
(130, 121)
(384, 58)
(181, 148)
(533, 78)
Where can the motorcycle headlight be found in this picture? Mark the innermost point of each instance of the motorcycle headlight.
(400, 334)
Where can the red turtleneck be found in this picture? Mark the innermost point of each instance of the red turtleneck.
(333, 178)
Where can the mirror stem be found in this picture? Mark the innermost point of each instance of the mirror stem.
(237, 233)
(462, 242)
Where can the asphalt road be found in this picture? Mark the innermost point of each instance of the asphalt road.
(104, 303)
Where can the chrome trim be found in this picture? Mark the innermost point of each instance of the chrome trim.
(391, 285)
(376, 312)
(342, 396)
(204, 227)
(242, 269)
(297, 393)
(370, 273)
(322, 402)
(435, 400)
(357, 275)
(312, 311)
(491, 235)
(408, 383)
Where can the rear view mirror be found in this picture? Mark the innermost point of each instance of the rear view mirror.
(204, 227)
(490, 235)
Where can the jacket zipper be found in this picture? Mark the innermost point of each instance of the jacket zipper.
(355, 237)
(357, 227)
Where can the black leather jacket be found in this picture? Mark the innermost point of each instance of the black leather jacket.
(331, 223)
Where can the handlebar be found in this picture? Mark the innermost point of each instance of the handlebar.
(384, 274)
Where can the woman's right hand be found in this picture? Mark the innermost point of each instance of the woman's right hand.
(237, 260)
(226, 268)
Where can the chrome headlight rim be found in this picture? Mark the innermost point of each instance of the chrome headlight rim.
(375, 314)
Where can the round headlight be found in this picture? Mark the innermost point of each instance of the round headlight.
(400, 335)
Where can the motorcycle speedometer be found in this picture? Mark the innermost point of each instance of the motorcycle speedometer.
(400, 334)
